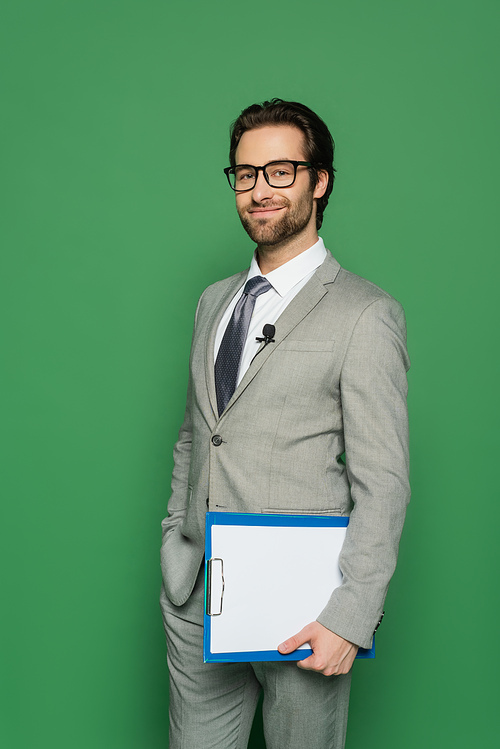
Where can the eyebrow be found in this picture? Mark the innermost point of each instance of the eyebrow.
(285, 158)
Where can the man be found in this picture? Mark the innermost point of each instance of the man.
(267, 434)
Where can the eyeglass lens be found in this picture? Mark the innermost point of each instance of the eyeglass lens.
(278, 173)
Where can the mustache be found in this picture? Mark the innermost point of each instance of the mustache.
(268, 206)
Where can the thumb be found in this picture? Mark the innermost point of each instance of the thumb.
(296, 641)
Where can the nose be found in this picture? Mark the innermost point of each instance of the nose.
(261, 191)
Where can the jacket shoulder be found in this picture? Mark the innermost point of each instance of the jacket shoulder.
(219, 288)
(218, 291)
(349, 288)
(360, 295)
(360, 288)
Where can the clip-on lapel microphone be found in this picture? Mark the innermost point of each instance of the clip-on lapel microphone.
(268, 332)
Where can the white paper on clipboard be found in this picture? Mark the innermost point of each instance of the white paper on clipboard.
(266, 582)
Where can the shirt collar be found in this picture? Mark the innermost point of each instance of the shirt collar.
(284, 278)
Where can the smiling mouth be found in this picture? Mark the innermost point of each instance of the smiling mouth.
(263, 212)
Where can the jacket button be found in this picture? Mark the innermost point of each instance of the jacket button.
(216, 440)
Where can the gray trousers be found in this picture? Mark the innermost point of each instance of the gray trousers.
(212, 705)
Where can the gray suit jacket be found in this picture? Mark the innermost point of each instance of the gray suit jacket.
(334, 381)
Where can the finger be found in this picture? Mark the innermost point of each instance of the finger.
(315, 663)
(295, 642)
(308, 664)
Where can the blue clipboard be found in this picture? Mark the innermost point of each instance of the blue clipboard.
(233, 547)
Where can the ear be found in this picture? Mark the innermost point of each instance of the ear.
(321, 184)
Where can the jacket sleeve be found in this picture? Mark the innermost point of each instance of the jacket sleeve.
(373, 387)
(179, 498)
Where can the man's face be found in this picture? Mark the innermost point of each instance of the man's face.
(272, 215)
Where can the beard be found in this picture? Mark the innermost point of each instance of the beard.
(274, 231)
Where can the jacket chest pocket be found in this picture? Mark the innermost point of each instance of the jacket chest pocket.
(306, 368)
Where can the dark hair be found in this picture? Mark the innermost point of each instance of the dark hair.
(319, 144)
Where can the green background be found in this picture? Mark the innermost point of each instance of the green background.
(109, 109)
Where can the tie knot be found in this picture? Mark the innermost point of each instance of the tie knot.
(256, 286)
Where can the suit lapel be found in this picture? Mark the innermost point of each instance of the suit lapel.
(300, 306)
(213, 319)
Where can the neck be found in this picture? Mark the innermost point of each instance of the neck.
(271, 257)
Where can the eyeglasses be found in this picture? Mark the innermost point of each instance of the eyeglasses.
(243, 177)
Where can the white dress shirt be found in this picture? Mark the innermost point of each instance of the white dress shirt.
(287, 281)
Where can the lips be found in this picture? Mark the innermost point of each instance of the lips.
(266, 211)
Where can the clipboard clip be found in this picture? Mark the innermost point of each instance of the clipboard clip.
(215, 581)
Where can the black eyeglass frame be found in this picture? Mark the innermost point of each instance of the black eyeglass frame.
(230, 169)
